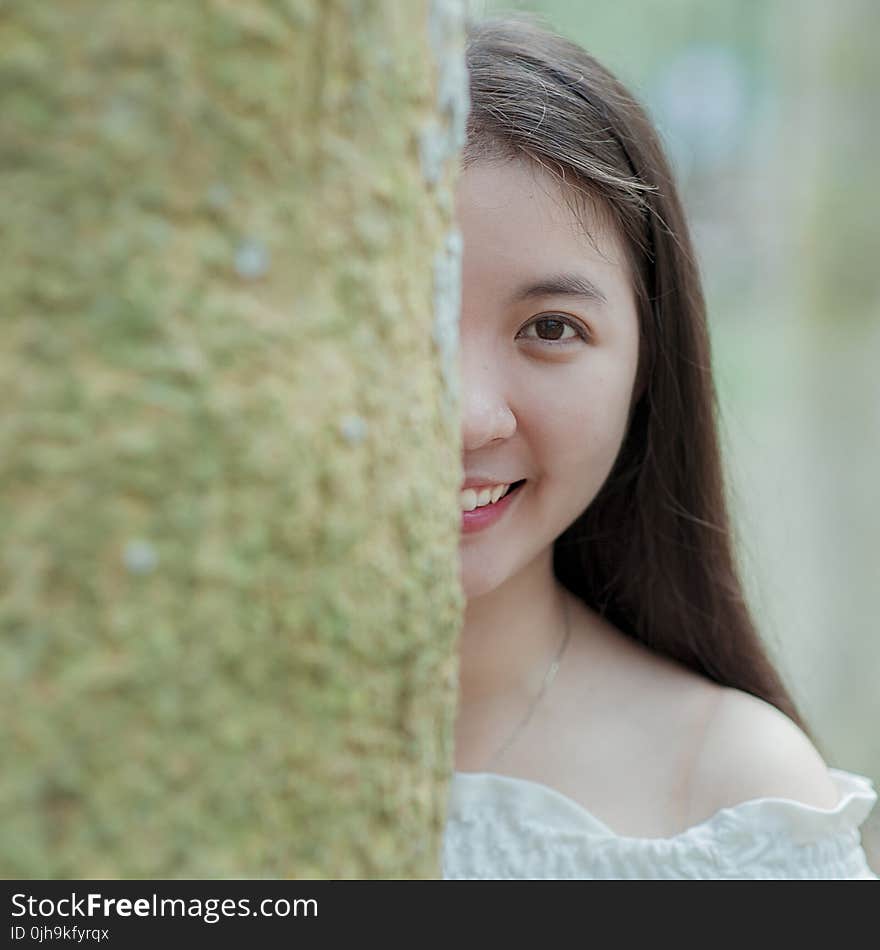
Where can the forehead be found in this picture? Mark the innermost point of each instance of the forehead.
(515, 213)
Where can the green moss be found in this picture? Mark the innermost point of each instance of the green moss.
(212, 622)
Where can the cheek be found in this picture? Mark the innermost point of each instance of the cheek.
(576, 425)
(607, 405)
(595, 426)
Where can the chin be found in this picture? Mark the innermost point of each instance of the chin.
(478, 577)
(475, 586)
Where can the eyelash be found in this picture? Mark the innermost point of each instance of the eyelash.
(578, 328)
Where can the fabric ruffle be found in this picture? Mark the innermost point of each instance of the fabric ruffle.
(499, 826)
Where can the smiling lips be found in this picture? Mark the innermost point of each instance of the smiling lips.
(472, 498)
(481, 516)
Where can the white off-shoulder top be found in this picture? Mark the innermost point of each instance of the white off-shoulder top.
(500, 827)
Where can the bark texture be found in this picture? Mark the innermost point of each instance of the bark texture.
(229, 448)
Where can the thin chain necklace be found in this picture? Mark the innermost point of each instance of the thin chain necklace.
(548, 679)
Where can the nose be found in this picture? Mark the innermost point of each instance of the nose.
(486, 416)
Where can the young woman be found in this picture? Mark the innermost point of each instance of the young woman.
(618, 717)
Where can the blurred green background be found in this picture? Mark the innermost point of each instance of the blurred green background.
(768, 110)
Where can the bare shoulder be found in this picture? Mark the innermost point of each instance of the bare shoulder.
(752, 750)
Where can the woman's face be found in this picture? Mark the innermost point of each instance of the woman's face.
(547, 371)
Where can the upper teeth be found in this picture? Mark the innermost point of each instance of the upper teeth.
(471, 499)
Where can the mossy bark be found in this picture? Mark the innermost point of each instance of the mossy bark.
(229, 448)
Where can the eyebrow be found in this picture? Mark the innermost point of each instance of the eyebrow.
(560, 285)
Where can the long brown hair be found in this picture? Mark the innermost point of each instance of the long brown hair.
(653, 553)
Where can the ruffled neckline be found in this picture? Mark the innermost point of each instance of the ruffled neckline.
(801, 822)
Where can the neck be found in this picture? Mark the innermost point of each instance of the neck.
(509, 639)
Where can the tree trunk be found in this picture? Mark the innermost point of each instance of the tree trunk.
(230, 460)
